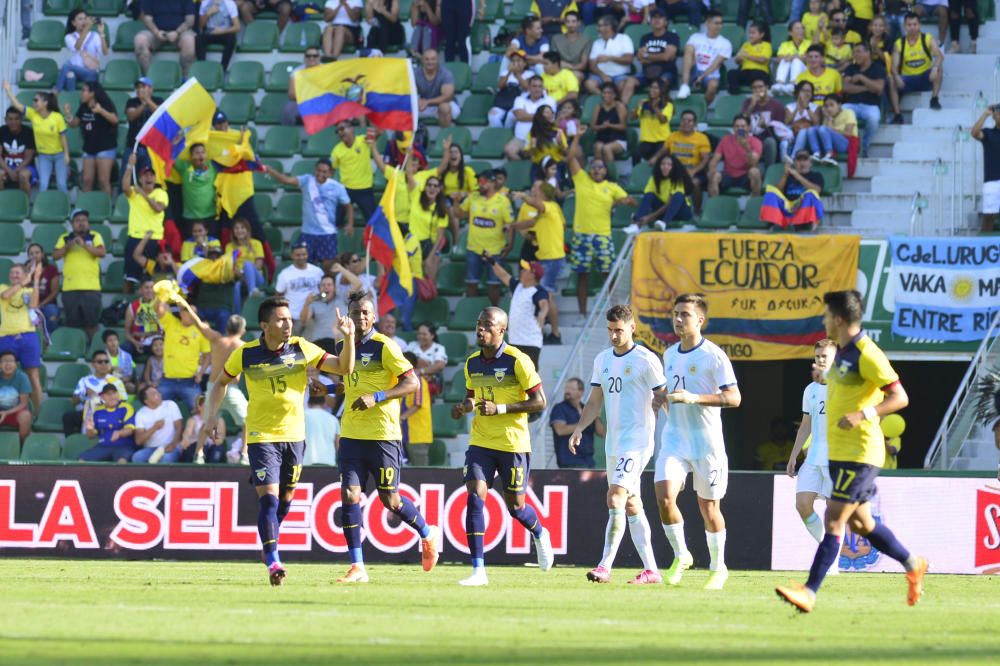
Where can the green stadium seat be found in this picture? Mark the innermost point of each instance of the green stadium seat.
(49, 418)
(97, 203)
(636, 31)
(5, 265)
(50, 206)
(720, 212)
(10, 445)
(67, 375)
(779, 35)
(321, 143)
(637, 180)
(59, 7)
(734, 34)
(277, 78)
(280, 141)
(11, 241)
(482, 38)
(250, 312)
(68, 344)
(106, 234)
(270, 108)
(245, 76)
(104, 7)
(119, 214)
(467, 313)
(263, 182)
(462, 73)
(209, 74)
(694, 103)
(451, 279)
(832, 177)
(494, 11)
(239, 107)
(113, 280)
(475, 109)
(46, 235)
(456, 391)
(487, 78)
(42, 446)
(74, 141)
(166, 74)
(445, 426)
(47, 67)
(13, 206)
(125, 37)
(354, 243)
(438, 454)
(76, 444)
(518, 176)
(750, 218)
(300, 36)
(435, 311)
(460, 136)
(263, 206)
(491, 142)
(120, 75)
(456, 344)
(275, 240)
(594, 284)
(726, 108)
(288, 212)
(47, 35)
(260, 36)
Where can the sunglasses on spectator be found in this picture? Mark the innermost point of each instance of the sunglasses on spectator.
(102, 360)
(312, 55)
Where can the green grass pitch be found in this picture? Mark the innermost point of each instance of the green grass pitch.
(85, 612)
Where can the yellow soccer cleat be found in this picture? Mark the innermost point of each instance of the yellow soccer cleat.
(681, 563)
(717, 579)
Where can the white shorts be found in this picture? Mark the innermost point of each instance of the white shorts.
(625, 470)
(711, 473)
(991, 197)
(432, 111)
(934, 3)
(814, 479)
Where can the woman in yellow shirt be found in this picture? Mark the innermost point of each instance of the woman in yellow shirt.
(667, 196)
(458, 178)
(147, 205)
(49, 128)
(428, 220)
(754, 58)
(839, 124)
(791, 59)
(545, 139)
(249, 264)
(17, 333)
(654, 117)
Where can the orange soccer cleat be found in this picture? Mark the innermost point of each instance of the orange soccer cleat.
(915, 581)
(797, 595)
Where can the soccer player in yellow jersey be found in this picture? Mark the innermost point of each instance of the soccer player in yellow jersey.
(371, 439)
(503, 388)
(275, 368)
(862, 388)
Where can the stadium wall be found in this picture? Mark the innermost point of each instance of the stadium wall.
(209, 513)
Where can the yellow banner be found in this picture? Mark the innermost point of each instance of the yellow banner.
(764, 291)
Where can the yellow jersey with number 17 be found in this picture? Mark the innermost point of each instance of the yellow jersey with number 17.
(276, 381)
(378, 365)
(858, 378)
(504, 379)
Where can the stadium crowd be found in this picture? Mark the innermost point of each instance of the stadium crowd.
(818, 89)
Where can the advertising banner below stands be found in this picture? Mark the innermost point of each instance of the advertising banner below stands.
(764, 291)
(953, 522)
(205, 512)
(945, 289)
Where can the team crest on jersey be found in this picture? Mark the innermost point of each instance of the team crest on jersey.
(500, 373)
(366, 359)
(843, 368)
(628, 370)
(261, 473)
(288, 359)
(693, 369)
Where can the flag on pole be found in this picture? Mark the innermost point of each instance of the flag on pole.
(382, 89)
(385, 244)
(183, 119)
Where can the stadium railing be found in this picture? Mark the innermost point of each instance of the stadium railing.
(10, 38)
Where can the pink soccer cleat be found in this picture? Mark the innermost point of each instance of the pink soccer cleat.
(276, 573)
(647, 577)
(599, 575)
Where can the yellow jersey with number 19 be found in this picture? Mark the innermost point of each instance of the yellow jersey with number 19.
(378, 365)
(858, 378)
(276, 381)
(504, 379)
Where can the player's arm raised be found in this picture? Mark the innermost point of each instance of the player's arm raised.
(728, 396)
(591, 411)
(343, 363)
(805, 427)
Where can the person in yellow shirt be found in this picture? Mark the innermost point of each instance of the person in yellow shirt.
(17, 333)
(833, 136)
(839, 53)
(490, 214)
(352, 159)
(249, 256)
(503, 387)
(458, 177)
(371, 439)
(654, 114)
(541, 215)
(275, 369)
(862, 14)
(754, 59)
(592, 248)
(49, 128)
(186, 355)
(415, 419)
(81, 250)
(838, 20)
(862, 387)
(199, 243)
(545, 139)
(692, 149)
(667, 196)
(147, 204)
(815, 21)
(559, 83)
(917, 62)
(791, 59)
(825, 80)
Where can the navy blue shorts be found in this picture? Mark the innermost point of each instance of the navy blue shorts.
(482, 464)
(320, 248)
(853, 482)
(382, 458)
(25, 347)
(276, 462)
(917, 82)
(113, 453)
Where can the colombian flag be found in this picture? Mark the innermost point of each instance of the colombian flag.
(380, 88)
(778, 210)
(385, 244)
(184, 118)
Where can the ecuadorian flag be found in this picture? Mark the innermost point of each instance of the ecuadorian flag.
(385, 244)
(380, 88)
(184, 118)
(778, 210)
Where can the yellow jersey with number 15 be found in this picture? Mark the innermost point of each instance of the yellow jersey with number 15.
(858, 378)
(276, 381)
(504, 379)
(378, 365)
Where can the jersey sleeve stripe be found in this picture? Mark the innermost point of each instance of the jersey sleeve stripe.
(890, 385)
(231, 376)
(594, 384)
(725, 386)
(408, 372)
(322, 360)
(657, 388)
(536, 387)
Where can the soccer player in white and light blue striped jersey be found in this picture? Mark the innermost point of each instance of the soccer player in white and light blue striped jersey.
(813, 478)
(700, 383)
(628, 381)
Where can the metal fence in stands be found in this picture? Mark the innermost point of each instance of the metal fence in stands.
(10, 40)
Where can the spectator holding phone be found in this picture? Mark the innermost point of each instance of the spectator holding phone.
(87, 45)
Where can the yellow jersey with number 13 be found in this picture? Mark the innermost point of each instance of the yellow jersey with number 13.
(858, 378)
(276, 381)
(378, 365)
(504, 379)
